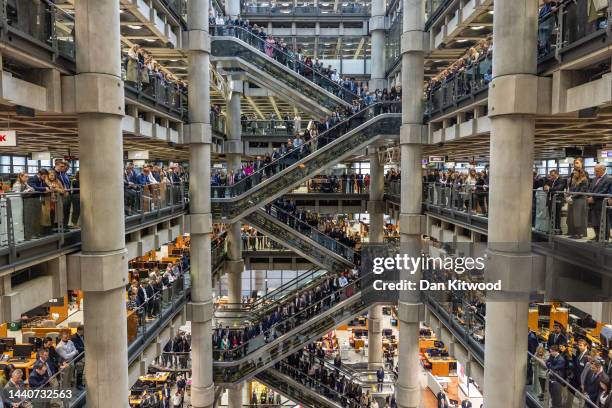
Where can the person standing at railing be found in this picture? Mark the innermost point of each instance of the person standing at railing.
(132, 64)
(67, 352)
(576, 203)
(61, 169)
(601, 184)
(51, 212)
(554, 185)
(556, 364)
(32, 208)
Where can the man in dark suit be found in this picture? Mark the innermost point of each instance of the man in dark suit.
(78, 340)
(556, 337)
(532, 346)
(556, 364)
(592, 379)
(554, 185)
(600, 184)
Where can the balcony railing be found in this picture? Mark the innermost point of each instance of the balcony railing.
(574, 24)
(41, 23)
(554, 214)
(153, 88)
(304, 10)
(275, 128)
(43, 217)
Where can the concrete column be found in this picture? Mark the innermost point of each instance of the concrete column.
(233, 151)
(100, 105)
(234, 396)
(232, 8)
(200, 308)
(512, 109)
(377, 32)
(376, 235)
(410, 308)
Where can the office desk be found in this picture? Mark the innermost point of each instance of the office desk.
(426, 343)
(440, 366)
(42, 332)
(26, 365)
(160, 378)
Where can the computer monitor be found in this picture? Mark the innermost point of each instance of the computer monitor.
(544, 309)
(8, 341)
(37, 342)
(23, 350)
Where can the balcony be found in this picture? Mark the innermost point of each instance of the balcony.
(35, 224)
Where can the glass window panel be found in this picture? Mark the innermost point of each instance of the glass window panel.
(18, 169)
(19, 160)
(5, 159)
(5, 169)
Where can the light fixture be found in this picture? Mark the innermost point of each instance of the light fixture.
(462, 40)
(285, 4)
(134, 26)
(286, 11)
(173, 60)
(150, 40)
(491, 12)
(477, 28)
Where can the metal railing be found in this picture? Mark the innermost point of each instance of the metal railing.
(41, 23)
(290, 10)
(30, 216)
(273, 127)
(153, 87)
(285, 57)
(554, 214)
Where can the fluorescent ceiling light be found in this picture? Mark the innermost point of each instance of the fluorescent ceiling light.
(286, 11)
(173, 60)
(491, 12)
(462, 41)
(134, 26)
(149, 40)
(478, 28)
(285, 4)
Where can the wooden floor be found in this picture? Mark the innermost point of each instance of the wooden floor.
(428, 399)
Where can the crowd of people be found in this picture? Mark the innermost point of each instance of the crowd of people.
(143, 70)
(155, 394)
(345, 183)
(566, 368)
(461, 70)
(304, 221)
(231, 343)
(309, 369)
(471, 187)
(265, 396)
(59, 364)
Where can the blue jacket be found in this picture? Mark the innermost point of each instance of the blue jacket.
(37, 184)
(142, 179)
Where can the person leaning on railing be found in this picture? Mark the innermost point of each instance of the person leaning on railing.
(600, 185)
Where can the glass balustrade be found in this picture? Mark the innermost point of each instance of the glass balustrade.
(281, 65)
(298, 394)
(302, 162)
(30, 216)
(274, 128)
(349, 301)
(294, 239)
(297, 381)
(554, 214)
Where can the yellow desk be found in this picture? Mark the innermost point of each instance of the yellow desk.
(440, 366)
(161, 377)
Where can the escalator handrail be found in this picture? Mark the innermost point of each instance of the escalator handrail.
(346, 248)
(261, 301)
(356, 284)
(311, 141)
(287, 56)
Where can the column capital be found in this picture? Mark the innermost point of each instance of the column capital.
(197, 133)
(99, 93)
(377, 23)
(413, 133)
(412, 41)
(514, 95)
(200, 223)
(235, 266)
(410, 312)
(517, 272)
(99, 272)
(199, 312)
(196, 40)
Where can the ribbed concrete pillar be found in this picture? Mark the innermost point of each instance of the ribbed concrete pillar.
(198, 134)
(512, 108)
(100, 108)
(377, 32)
(410, 308)
(376, 210)
(232, 8)
(234, 396)
(233, 149)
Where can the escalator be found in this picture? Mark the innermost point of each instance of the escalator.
(303, 239)
(309, 395)
(240, 53)
(375, 122)
(287, 337)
